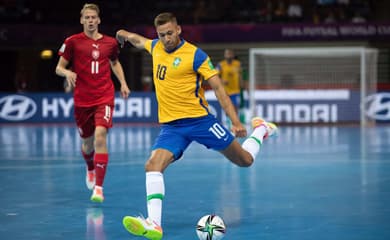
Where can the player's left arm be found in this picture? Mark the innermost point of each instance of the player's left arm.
(117, 69)
(224, 100)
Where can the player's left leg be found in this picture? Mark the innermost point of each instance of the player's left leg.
(245, 155)
(103, 121)
(213, 135)
(100, 161)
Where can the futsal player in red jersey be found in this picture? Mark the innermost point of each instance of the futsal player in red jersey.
(93, 56)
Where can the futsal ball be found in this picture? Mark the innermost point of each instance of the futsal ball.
(210, 227)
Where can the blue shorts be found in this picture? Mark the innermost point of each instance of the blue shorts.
(175, 136)
(236, 99)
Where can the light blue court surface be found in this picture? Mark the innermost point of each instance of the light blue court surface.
(309, 183)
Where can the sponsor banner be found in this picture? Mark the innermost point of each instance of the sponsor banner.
(308, 106)
(316, 106)
(140, 107)
(283, 106)
(58, 108)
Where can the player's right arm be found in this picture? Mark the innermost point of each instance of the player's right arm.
(136, 40)
(62, 71)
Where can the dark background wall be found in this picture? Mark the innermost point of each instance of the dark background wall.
(27, 27)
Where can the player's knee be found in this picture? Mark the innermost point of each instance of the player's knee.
(148, 166)
(151, 165)
(100, 141)
(155, 165)
(87, 147)
(248, 163)
(245, 161)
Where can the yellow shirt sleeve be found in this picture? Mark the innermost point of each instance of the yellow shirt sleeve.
(207, 69)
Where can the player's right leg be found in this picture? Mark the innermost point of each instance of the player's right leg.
(88, 153)
(150, 227)
(168, 147)
(84, 121)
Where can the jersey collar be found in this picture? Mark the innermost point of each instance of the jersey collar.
(86, 36)
(182, 41)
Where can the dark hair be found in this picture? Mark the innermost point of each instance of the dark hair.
(164, 18)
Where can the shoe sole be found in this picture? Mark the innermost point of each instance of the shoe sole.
(274, 129)
(133, 226)
(97, 199)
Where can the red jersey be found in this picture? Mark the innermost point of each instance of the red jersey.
(91, 62)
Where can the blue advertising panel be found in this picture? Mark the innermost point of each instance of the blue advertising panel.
(58, 108)
(288, 106)
(310, 106)
(316, 106)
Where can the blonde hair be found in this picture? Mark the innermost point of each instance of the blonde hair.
(164, 18)
(90, 6)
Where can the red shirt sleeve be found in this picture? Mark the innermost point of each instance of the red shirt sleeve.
(66, 50)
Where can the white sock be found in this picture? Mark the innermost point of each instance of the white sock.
(253, 142)
(251, 146)
(155, 192)
(259, 133)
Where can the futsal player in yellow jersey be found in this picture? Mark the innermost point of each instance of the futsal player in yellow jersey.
(178, 85)
(179, 68)
(231, 74)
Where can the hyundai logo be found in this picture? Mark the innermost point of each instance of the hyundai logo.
(377, 106)
(17, 108)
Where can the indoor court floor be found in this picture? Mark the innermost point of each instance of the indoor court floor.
(325, 182)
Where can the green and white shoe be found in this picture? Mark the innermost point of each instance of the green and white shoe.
(97, 195)
(272, 129)
(139, 226)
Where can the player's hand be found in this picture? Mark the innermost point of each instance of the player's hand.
(71, 78)
(121, 37)
(239, 130)
(125, 91)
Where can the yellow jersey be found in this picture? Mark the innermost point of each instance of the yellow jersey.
(230, 74)
(178, 77)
